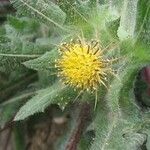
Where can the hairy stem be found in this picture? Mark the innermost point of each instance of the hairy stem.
(82, 121)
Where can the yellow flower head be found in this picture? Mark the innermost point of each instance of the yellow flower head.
(82, 65)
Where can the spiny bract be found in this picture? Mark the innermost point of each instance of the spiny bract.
(82, 65)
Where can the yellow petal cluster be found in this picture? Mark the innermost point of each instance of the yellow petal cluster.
(82, 65)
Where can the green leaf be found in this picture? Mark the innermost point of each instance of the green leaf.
(112, 27)
(128, 19)
(76, 8)
(113, 136)
(43, 10)
(17, 44)
(56, 94)
(119, 115)
(45, 62)
(145, 124)
(143, 21)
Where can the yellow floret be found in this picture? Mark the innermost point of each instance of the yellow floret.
(82, 65)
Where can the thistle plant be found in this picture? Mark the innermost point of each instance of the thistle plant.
(80, 53)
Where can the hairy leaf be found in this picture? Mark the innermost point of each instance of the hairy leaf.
(143, 21)
(112, 123)
(56, 94)
(128, 19)
(121, 114)
(43, 10)
(45, 62)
